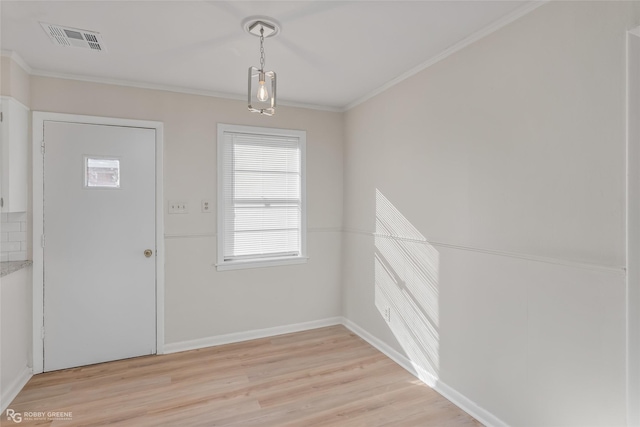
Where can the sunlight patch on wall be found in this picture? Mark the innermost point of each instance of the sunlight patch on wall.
(406, 287)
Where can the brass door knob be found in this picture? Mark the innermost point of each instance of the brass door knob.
(148, 253)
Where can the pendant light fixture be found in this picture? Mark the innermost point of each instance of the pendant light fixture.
(262, 83)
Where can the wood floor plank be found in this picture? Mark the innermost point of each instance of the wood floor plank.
(323, 377)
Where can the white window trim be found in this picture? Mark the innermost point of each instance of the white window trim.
(223, 265)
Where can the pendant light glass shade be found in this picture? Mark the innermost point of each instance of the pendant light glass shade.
(262, 91)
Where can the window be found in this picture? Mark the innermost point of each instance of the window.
(261, 197)
(101, 172)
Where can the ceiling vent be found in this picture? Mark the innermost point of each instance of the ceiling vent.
(74, 37)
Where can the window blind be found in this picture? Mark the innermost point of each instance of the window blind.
(262, 196)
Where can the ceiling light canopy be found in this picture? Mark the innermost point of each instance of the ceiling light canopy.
(261, 96)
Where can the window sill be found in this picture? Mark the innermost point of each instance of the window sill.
(274, 262)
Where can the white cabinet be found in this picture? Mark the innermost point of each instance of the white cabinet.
(14, 143)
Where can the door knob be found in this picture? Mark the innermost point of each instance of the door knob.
(148, 253)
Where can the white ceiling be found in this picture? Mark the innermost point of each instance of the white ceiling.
(329, 54)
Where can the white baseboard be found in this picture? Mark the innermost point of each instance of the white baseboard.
(14, 388)
(461, 401)
(387, 350)
(464, 403)
(250, 335)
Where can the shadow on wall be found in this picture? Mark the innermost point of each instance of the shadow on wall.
(406, 287)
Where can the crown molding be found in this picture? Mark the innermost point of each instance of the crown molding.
(491, 28)
(528, 7)
(13, 55)
(134, 84)
(141, 85)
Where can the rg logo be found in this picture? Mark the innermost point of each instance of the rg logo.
(14, 416)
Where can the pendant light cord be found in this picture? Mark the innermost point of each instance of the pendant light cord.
(261, 49)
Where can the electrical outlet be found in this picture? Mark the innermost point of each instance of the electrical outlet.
(206, 206)
(387, 314)
(178, 207)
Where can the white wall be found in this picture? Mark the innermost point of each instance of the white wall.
(14, 80)
(15, 288)
(15, 334)
(485, 205)
(200, 302)
(633, 224)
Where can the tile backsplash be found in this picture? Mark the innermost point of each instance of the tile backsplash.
(13, 236)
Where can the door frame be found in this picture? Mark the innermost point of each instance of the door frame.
(38, 119)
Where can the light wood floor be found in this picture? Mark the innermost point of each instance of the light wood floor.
(323, 377)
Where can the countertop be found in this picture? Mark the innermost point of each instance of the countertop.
(9, 267)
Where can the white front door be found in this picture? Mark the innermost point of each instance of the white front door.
(99, 219)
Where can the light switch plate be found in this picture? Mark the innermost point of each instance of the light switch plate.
(178, 207)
